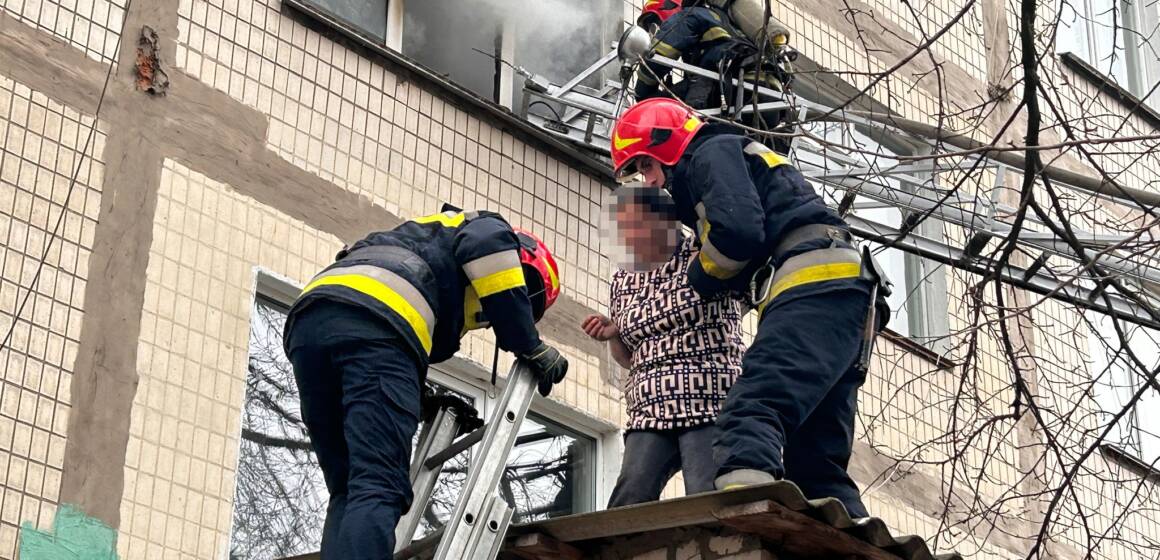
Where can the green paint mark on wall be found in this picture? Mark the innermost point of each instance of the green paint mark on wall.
(74, 536)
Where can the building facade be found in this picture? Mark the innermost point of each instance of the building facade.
(173, 171)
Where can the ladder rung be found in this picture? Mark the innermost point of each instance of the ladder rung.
(459, 446)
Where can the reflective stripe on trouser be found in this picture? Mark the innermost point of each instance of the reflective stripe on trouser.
(818, 265)
(390, 289)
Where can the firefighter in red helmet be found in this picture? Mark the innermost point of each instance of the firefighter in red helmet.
(791, 413)
(704, 35)
(656, 12)
(364, 330)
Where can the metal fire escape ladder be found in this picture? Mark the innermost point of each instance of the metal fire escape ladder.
(585, 117)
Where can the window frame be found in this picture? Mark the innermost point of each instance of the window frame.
(1115, 381)
(1133, 20)
(925, 328)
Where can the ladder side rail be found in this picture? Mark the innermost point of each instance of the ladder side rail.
(437, 434)
(967, 219)
(485, 472)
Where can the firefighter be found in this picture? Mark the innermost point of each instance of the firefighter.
(364, 330)
(704, 36)
(791, 413)
(656, 12)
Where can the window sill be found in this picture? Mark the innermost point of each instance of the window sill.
(321, 21)
(1124, 459)
(1127, 99)
(917, 348)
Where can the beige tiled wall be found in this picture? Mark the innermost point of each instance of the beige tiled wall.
(92, 26)
(40, 145)
(359, 125)
(406, 148)
(207, 241)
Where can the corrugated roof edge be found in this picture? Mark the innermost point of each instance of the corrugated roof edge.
(591, 165)
(698, 509)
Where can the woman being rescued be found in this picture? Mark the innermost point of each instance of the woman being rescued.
(682, 352)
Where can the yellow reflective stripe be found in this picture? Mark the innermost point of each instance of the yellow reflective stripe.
(471, 309)
(499, 281)
(664, 49)
(692, 123)
(551, 273)
(771, 158)
(716, 264)
(645, 77)
(489, 264)
(448, 219)
(809, 275)
(384, 294)
(715, 33)
(713, 269)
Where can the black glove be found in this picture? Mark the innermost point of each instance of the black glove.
(547, 364)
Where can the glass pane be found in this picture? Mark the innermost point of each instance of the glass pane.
(1118, 378)
(865, 152)
(1072, 34)
(368, 16)
(280, 497)
(551, 472)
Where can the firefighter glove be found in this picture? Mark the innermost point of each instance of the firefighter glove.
(547, 364)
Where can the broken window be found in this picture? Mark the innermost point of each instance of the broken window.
(488, 46)
(478, 45)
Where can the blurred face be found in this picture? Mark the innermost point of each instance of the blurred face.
(648, 237)
(652, 170)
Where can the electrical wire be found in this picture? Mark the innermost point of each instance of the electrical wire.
(71, 188)
(550, 108)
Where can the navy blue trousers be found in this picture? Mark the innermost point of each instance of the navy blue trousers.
(791, 413)
(360, 393)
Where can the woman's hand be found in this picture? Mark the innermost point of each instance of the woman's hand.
(600, 327)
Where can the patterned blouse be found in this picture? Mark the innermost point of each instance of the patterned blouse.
(686, 350)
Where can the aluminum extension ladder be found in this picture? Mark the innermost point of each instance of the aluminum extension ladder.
(477, 527)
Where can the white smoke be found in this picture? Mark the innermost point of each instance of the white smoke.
(554, 38)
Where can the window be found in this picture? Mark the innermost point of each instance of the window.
(551, 471)
(918, 302)
(479, 44)
(280, 497)
(1117, 37)
(1118, 378)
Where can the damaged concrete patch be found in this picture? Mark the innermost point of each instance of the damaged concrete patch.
(74, 535)
(151, 78)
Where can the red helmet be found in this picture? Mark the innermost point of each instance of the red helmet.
(655, 12)
(659, 127)
(540, 272)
